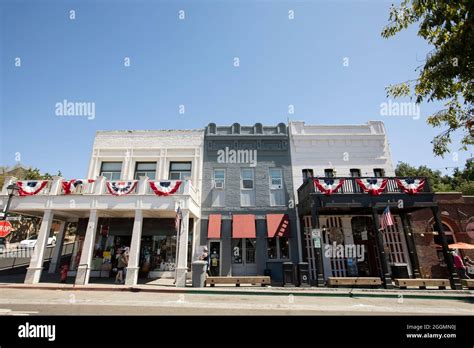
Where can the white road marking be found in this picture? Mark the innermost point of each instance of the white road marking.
(7, 311)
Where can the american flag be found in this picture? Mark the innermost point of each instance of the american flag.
(387, 219)
(177, 220)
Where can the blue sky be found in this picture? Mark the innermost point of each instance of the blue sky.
(190, 62)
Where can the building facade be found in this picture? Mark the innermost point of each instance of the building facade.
(248, 222)
(136, 182)
(256, 196)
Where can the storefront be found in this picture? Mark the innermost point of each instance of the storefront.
(158, 247)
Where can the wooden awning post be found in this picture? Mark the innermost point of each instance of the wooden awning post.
(386, 278)
(318, 251)
(411, 245)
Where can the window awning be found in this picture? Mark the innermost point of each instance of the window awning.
(214, 227)
(243, 226)
(278, 225)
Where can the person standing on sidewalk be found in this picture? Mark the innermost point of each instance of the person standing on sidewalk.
(121, 265)
(459, 266)
(205, 257)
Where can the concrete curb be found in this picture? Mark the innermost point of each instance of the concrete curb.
(459, 295)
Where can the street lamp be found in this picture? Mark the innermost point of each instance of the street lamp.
(11, 189)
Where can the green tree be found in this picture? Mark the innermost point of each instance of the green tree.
(448, 72)
(437, 181)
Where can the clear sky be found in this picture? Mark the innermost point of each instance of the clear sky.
(300, 61)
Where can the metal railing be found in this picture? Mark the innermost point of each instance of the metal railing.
(20, 257)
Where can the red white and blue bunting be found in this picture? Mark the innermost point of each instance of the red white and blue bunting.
(121, 188)
(411, 186)
(164, 188)
(374, 186)
(30, 188)
(72, 185)
(328, 186)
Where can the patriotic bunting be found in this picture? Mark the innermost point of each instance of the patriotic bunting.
(328, 186)
(411, 186)
(120, 188)
(373, 186)
(165, 188)
(31, 188)
(72, 185)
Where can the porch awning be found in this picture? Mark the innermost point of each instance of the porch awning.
(214, 227)
(278, 225)
(243, 226)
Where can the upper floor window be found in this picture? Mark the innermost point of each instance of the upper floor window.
(219, 178)
(247, 180)
(180, 170)
(111, 170)
(307, 173)
(379, 172)
(276, 179)
(329, 173)
(355, 172)
(145, 169)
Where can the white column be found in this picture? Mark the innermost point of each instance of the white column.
(33, 274)
(182, 264)
(58, 248)
(134, 257)
(196, 239)
(56, 186)
(83, 269)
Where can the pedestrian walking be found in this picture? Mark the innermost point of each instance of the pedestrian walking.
(205, 257)
(459, 266)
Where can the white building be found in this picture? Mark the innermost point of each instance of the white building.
(136, 181)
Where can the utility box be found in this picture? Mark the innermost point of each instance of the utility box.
(199, 274)
(303, 274)
(289, 274)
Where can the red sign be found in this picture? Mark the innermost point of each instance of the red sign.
(5, 228)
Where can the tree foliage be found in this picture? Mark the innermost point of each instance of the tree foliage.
(459, 181)
(448, 72)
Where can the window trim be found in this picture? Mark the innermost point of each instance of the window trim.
(271, 178)
(354, 170)
(279, 258)
(242, 188)
(144, 171)
(102, 172)
(170, 171)
(327, 171)
(382, 172)
(214, 179)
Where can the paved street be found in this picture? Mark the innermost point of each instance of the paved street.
(65, 302)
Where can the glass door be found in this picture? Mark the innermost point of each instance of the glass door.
(244, 256)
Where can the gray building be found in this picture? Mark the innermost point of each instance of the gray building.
(248, 216)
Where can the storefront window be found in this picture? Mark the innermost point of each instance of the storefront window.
(237, 251)
(272, 249)
(164, 253)
(278, 248)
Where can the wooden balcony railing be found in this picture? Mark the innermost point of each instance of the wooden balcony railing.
(350, 186)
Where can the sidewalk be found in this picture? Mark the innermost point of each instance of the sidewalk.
(167, 286)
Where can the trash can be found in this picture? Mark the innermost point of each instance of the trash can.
(400, 271)
(199, 274)
(289, 274)
(303, 274)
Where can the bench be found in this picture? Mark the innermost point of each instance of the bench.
(468, 283)
(262, 280)
(354, 281)
(422, 283)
